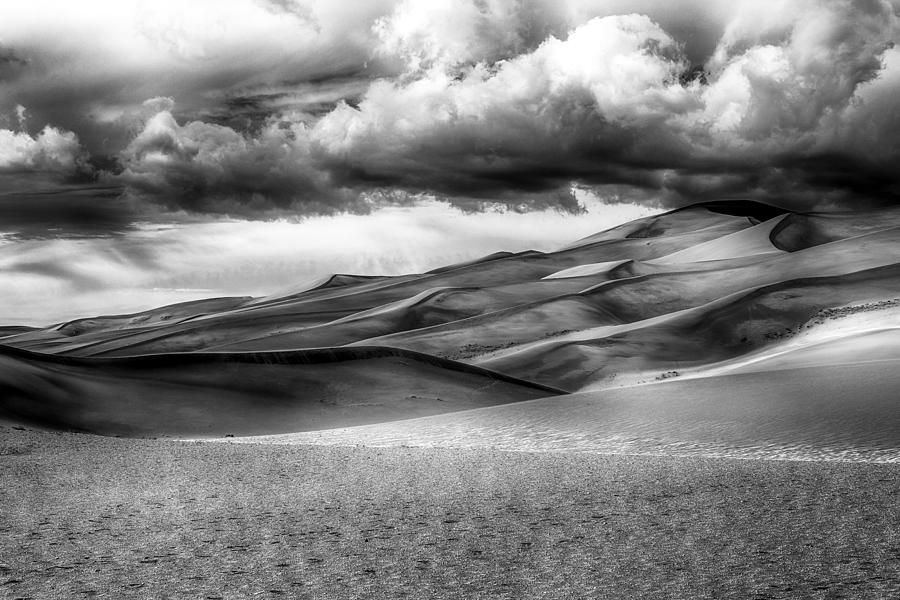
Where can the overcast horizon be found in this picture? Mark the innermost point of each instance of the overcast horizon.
(160, 151)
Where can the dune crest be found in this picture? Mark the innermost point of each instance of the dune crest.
(700, 298)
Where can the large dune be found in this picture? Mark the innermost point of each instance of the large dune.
(715, 297)
(219, 394)
(813, 413)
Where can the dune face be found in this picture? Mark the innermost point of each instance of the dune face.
(243, 394)
(813, 413)
(713, 290)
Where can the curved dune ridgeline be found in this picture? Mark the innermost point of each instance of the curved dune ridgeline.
(724, 329)
(241, 394)
(703, 289)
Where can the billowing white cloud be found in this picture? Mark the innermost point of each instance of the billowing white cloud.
(531, 118)
(617, 100)
(447, 34)
(51, 150)
(780, 75)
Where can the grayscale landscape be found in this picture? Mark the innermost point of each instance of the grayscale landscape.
(450, 299)
(513, 426)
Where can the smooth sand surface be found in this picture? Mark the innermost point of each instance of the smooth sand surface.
(107, 518)
(588, 269)
(753, 241)
(845, 413)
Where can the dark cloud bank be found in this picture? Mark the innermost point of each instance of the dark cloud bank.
(312, 108)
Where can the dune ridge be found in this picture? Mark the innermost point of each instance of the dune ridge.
(242, 393)
(713, 296)
(807, 414)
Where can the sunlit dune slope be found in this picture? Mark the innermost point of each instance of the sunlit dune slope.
(866, 332)
(817, 413)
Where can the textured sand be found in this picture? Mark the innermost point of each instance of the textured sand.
(107, 518)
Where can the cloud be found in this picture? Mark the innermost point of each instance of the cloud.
(52, 210)
(571, 109)
(205, 167)
(51, 150)
(449, 34)
(79, 65)
(315, 106)
(617, 102)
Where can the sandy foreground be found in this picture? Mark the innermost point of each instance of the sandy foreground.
(88, 516)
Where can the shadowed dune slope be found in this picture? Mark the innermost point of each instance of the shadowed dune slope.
(15, 330)
(217, 394)
(799, 231)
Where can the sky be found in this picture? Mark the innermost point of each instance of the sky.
(245, 129)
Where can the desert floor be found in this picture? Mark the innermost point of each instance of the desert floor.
(89, 516)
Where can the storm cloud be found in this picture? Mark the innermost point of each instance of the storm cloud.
(256, 108)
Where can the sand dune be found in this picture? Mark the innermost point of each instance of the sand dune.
(327, 282)
(745, 322)
(113, 325)
(730, 291)
(429, 308)
(687, 220)
(818, 413)
(633, 299)
(868, 332)
(215, 394)
(800, 231)
(322, 303)
(753, 241)
(588, 269)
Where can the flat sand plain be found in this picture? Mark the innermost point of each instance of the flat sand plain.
(92, 517)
